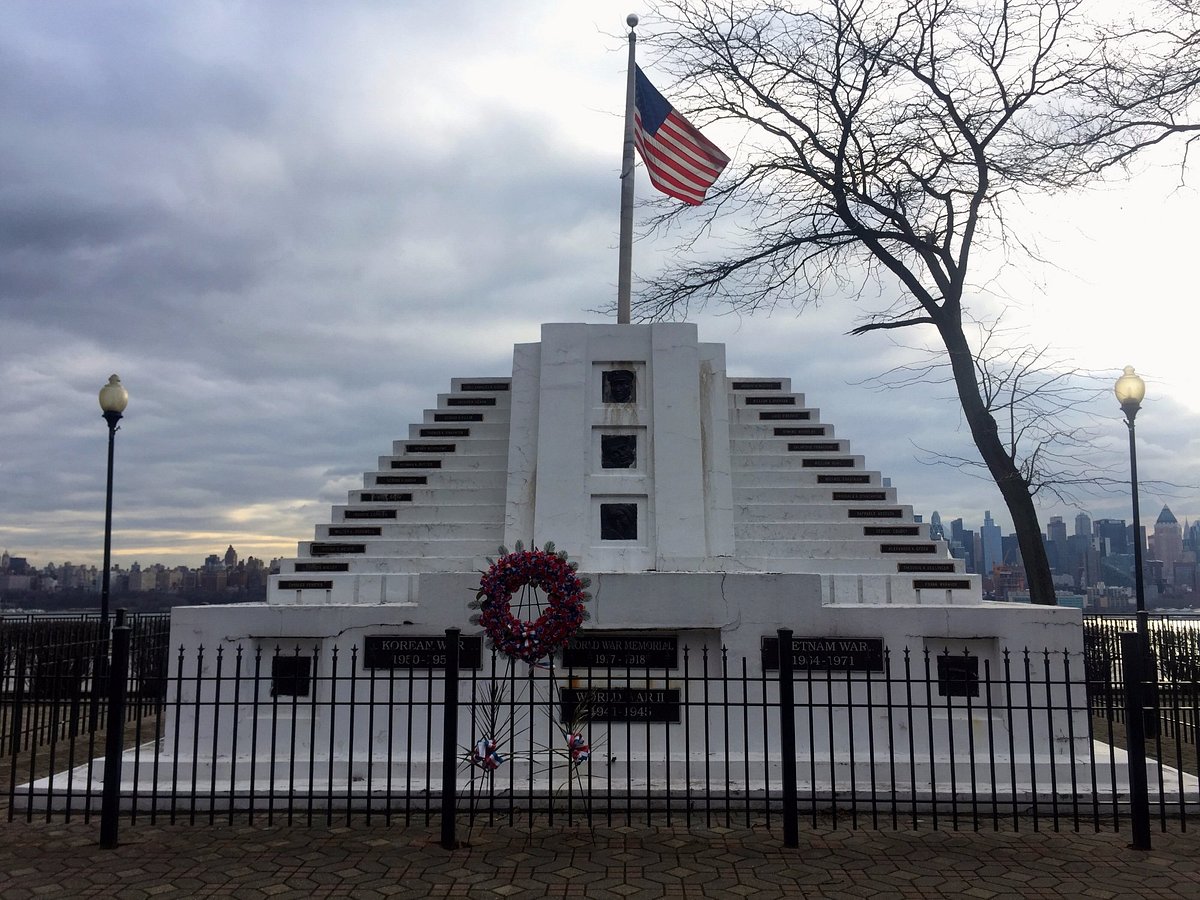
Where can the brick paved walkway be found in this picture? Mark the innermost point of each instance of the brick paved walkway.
(62, 860)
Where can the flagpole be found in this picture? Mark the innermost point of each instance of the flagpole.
(625, 262)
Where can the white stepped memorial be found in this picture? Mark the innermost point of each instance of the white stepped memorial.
(709, 511)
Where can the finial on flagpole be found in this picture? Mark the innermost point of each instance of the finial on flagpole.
(631, 20)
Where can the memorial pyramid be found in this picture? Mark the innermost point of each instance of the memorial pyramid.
(631, 446)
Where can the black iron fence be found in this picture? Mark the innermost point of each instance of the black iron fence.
(969, 740)
(53, 675)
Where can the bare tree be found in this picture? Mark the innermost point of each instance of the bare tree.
(883, 141)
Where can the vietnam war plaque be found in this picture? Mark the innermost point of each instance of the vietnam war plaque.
(619, 650)
(418, 651)
(621, 704)
(833, 654)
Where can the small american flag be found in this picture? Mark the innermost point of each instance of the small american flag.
(681, 161)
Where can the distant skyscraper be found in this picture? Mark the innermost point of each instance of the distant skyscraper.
(936, 531)
(231, 558)
(1056, 530)
(1083, 525)
(1168, 541)
(1113, 535)
(989, 536)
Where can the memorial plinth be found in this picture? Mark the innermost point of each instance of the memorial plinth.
(708, 510)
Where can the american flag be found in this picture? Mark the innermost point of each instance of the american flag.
(682, 162)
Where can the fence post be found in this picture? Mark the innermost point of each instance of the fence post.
(19, 706)
(450, 741)
(1133, 665)
(787, 739)
(118, 675)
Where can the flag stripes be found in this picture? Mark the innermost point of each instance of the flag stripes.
(682, 162)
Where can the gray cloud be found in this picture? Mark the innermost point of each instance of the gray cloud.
(288, 226)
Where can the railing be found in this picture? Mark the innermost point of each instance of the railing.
(53, 671)
(918, 740)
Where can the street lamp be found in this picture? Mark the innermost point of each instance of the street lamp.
(113, 400)
(1130, 391)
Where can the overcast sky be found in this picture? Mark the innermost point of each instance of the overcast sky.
(287, 225)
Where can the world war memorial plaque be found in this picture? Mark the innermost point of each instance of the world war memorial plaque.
(618, 650)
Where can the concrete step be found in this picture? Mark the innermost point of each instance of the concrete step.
(376, 513)
(486, 415)
(449, 462)
(343, 547)
(359, 565)
(802, 494)
(767, 481)
(814, 461)
(831, 530)
(411, 531)
(468, 401)
(755, 384)
(886, 547)
(457, 432)
(775, 415)
(763, 400)
(787, 431)
(769, 446)
(439, 448)
(462, 478)
(817, 565)
(421, 495)
(481, 384)
(787, 514)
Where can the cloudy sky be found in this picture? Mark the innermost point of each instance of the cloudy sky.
(287, 225)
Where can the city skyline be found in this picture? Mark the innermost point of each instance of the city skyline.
(295, 224)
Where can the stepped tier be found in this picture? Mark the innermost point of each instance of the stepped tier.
(633, 449)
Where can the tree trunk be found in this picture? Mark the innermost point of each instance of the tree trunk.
(1013, 486)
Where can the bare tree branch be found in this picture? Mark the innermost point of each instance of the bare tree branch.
(885, 139)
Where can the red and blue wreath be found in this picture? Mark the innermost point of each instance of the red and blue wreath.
(562, 612)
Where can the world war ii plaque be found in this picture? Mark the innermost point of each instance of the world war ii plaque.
(832, 654)
(621, 704)
(418, 651)
(637, 649)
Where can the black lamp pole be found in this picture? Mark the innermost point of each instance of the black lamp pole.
(1130, 391)
(113, 399)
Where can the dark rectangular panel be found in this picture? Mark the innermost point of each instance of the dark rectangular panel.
(470, 401)
(468, 386)
(355, 531)
(298, 584)
(891, 530)
(370, 514)
(758, 385)
(925, 567)
(801, 431)
(784, 415)
(445, 432)
(771, 401)
(457, 417)
(322, 567)
(632, 649)
(833, 654)
(621, 704)
(330, 549)
(418, 651)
